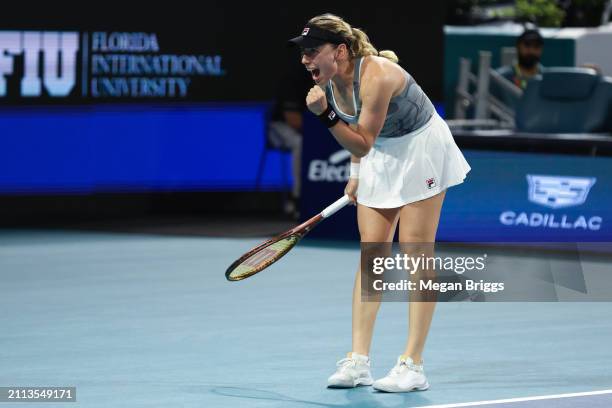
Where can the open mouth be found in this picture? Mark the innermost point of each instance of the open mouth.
(314, 72)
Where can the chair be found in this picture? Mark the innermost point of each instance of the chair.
(272, 143)
(566, 100)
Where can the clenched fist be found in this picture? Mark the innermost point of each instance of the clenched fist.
(316, 101)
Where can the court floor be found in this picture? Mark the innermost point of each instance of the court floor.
(150, 321)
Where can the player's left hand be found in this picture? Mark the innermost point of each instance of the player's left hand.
(316, 101)
(351, 190)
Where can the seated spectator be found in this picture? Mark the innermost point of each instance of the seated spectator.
(285, 128)
(529, 47)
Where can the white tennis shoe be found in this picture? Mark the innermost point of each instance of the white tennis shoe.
(352, 371)
(404, 377)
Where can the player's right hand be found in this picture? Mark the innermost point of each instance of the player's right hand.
(351, 189)
(316, 101)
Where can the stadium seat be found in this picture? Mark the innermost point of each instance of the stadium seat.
(566, 100)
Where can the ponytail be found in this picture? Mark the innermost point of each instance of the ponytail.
(390, 55)
(358, 41)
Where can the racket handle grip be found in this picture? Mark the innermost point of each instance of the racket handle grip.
(336, 206)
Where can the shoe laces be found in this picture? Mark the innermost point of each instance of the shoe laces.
(404, 365)
(397, 369)
(346, 362)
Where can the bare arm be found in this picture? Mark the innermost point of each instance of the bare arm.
(376, 92)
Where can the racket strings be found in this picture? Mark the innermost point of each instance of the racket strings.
(263, 258)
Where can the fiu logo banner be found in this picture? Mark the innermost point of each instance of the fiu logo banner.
(49, 62)
(123, 65)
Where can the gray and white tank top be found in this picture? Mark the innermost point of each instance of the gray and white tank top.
(408, 111)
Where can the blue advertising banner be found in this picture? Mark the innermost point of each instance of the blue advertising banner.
(325, 170)
(134, 148)
(530, 197)
(507, 196)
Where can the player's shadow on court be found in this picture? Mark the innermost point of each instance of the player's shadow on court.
(362, 397)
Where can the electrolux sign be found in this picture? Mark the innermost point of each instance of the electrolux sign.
(59, 64)
(335, 169)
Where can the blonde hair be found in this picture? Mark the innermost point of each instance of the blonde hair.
(358, 41)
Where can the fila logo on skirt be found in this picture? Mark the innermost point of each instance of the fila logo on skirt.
(431, 183)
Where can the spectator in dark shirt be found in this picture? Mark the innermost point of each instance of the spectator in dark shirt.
(529, 47)
(285, 128)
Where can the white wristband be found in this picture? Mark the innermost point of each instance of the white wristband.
(354, 174)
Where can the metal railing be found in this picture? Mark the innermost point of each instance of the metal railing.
(606, 15)
(489, 111)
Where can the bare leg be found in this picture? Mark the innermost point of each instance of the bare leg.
(418, 224)
(375, 225)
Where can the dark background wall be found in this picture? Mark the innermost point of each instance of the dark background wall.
(251, 38)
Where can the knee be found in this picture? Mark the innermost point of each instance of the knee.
(419, 249)
(371, 238)
(376, 235)
(413, 238)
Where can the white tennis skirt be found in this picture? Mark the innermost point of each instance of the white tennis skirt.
(418, 165)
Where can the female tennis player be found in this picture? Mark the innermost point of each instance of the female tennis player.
(403, 158)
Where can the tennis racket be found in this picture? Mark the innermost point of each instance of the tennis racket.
(265, 254)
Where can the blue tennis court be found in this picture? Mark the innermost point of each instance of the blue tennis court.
(141, 320)
(143, 154)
